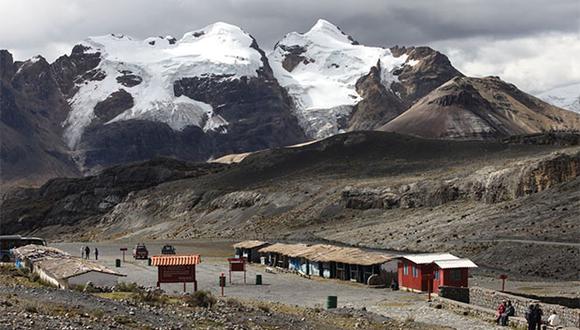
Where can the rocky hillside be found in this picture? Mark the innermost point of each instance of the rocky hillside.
(480, 108)
(365, 188)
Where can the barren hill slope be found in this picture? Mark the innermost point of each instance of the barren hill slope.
(480, 108)
(365, 188)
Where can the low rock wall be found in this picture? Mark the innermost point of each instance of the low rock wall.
(491, 299)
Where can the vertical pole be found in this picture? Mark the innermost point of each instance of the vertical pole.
(244, 275)
(230, 275)
(429, 287)
(502, 284)
(123, 255)
(184, 287)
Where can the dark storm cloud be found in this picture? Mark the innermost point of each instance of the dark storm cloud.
(29, 27)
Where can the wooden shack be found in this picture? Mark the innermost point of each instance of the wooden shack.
(249, 250)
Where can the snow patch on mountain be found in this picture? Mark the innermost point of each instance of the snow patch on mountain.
(322, 84)
(218, 51)
(566, 97)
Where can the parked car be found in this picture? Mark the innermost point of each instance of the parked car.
(140, 251)
(168, 249)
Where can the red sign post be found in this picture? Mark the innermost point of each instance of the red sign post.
(503, 277)
(237, 265)
(176, 269)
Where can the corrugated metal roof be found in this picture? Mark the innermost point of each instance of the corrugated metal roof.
(176, 260)
(249, 244)
(427, 258)
(455, 263)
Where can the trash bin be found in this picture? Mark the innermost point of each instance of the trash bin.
(258, 279)
(117, 262)
(331, 302)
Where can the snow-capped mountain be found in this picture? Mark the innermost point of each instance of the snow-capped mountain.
(209, 93)
(320, 68)
(115, 99)
(148, 69)
(566, 97)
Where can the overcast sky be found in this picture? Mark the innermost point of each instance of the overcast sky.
(532, 43)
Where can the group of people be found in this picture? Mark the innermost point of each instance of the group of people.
(504, 311)
(86, 252)
(533, 316)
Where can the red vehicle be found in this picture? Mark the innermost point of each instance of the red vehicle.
(140, 251)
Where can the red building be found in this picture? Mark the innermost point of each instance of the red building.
(426, 272)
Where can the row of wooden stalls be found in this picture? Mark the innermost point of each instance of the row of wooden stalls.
(324, 260)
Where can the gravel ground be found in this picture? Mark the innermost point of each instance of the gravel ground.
(285, 288)
(29, 305)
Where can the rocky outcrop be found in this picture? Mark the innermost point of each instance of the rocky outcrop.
(378, 106)
(237, 199)
(431, 70)
(113, 105)
(489, 185)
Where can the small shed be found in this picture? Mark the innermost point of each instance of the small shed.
(427, 271)
(62, 270)
(453, 272)
(249, 250)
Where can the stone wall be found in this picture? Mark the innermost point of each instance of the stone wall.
(491, 299)
(454, 293)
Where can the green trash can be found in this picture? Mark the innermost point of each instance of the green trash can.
(331, 302)
(117, 262)
(258, 279)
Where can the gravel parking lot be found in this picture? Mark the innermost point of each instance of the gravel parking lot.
(279, 287)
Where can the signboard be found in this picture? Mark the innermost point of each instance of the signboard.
(176, 274)
(237, 265)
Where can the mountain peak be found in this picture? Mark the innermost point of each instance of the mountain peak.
(323, 30)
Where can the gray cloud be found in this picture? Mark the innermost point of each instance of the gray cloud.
(467, 29)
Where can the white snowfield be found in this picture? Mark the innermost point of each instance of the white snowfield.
(566, 97)
(219, 49)
(323, 86)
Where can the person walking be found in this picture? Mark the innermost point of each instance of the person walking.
(87, 252)
(96, 253)
(82, 252)
(539, 314)
(531, 317)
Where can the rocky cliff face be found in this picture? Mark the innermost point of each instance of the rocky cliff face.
(31, 110)
(489, 185)
(431, 70)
